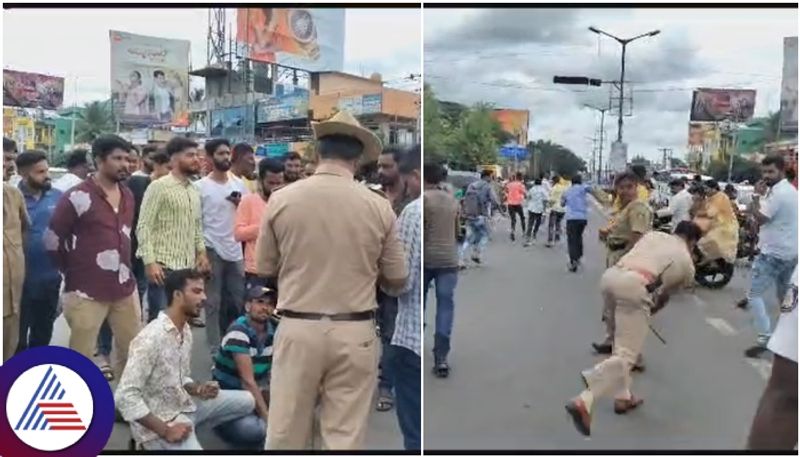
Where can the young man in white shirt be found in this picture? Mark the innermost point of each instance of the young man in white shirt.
(536, 204)
(220, 194)
(777, 216)
(680, 203)
(77, 170)
(775, 423)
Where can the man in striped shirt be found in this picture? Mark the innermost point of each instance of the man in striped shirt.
(243, 362)
(170, 229)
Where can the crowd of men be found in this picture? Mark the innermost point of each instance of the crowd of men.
(645, 266)
(209, 237)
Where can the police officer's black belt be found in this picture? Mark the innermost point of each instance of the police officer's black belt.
(359, 316)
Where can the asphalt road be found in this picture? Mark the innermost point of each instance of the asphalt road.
(383, 433)
(522, 334)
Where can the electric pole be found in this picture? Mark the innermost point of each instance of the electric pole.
(624, 42)
(666, 152)
(602, 132)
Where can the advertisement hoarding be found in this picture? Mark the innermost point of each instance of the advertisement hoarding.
(358, 105)
(9, 114)
(24, 133)
(308, 39)
(789, 85)
(149, 79)
(287, 103)
(228, 123)
(32, 90)
(514, 122)
(709, 105)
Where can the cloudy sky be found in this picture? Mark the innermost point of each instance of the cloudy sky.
(509, 57)
(74, 42)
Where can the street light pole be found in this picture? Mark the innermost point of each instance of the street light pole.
(621, 92)
(624, 42)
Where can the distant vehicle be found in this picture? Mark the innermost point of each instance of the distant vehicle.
(56, 172)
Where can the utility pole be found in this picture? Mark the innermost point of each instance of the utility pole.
(602, 132)
(665, 152)
(624, 42)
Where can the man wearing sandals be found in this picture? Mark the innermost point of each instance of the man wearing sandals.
(89, 238)
(639, 285)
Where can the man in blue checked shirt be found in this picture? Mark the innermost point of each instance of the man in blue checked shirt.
(406, 347)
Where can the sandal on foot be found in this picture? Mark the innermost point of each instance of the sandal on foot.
(107, 371)
(385, 402)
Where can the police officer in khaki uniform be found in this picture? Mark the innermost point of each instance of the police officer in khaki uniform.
(639, 285)
(15, 224)
(632, 221)
(328, 239)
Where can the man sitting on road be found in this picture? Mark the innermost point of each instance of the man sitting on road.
(243, 362)
(156, 395)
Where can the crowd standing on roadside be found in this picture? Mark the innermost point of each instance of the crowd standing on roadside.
(211, 237)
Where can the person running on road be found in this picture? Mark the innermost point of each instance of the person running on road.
(536, 203)
(556, 211)
(478, 199)
(575, 202)
(775, 423)
(640, 285)
(515, 195)
(633, 220)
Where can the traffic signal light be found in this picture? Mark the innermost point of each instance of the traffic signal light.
(581, 80)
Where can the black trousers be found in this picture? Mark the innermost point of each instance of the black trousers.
(515, 210)
(534, 221)
(575, 230)
(554, 226)
(38, 308)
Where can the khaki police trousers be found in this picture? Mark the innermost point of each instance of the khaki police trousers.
(10, 335)
(632, 303)
(335, 363)
(612, 257)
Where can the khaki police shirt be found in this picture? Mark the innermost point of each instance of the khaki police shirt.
(328, 239)
(15, 223)
(634, 218)
(662, 254)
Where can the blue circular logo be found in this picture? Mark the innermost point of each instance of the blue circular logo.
(56, 403)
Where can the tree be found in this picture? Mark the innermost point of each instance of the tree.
(473, 141)
(743, 170)
(94, 120)
(548, 157)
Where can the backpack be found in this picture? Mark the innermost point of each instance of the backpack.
(472, 206)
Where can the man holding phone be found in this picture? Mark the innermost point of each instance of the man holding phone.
(220, 194)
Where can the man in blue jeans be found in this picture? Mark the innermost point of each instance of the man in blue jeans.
(441, 260)
(406, 344)
(777, 216)
(42, 284)
(478, 199)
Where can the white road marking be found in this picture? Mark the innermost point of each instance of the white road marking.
(764, 367)
(722, 326)
(699, 301)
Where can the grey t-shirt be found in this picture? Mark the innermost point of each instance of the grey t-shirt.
(440, 210)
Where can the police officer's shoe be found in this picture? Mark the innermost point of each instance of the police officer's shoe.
(602, 348)
(580, 415)
(622, 406)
